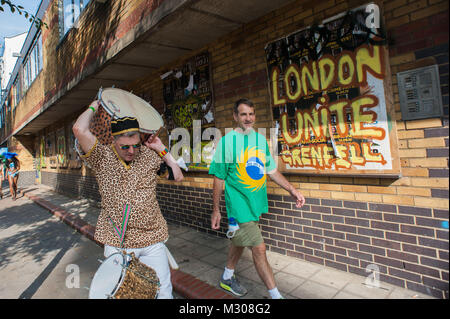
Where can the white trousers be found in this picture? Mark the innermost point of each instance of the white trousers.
(154, 256)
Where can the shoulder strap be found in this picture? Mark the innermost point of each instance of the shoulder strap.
(120, 232)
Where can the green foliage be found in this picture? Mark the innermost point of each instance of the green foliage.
(21, 10)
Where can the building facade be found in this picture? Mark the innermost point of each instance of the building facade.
(355, 92)
(11, 52)
(12, 48)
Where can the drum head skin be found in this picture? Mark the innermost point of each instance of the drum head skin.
(120, 103)
(107, 278)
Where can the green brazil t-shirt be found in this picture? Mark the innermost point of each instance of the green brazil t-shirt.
(242, 161)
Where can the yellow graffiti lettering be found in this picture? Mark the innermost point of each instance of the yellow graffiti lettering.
(306, 155)
(317, 156)
(287, 158)
(370, 156)
(313, 125)
(355, 154)
(285, 130)
(276, 95)
(368, 62)
(324, 113)
(321, 156)
(312, 122)
(346, 70)
(296, 157)
(342, 160)
(326, 78)
(292, 73)
(361, 117)
(328, 156)
(313, 78)
(341, 126)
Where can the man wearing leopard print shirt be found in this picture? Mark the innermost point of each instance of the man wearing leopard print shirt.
(127, 179)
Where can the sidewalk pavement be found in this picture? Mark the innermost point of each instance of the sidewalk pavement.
(201, 259)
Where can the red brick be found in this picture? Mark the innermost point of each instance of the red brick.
(413, 46)
(215, 294)
(429, 31)
(385, 243)
(422, 270)
(405, 275)
(422, 231)
(440, 39)
(409, 28)
(201, 289)
(402, 256)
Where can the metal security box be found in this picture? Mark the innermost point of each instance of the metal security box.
(420, 93)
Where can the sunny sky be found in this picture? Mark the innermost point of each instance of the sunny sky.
(13, 23)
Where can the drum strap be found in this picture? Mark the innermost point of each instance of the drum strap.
(120, 232)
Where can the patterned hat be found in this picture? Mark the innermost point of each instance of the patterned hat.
(123, 125)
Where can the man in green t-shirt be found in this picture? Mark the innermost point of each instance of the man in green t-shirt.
(241, 161)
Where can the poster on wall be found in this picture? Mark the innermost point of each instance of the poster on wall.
(42, 153)
(50, 148)
(38, 158)
(48, 144)
(61, 148)
(188, 99)
(330, 87)
(73, 159)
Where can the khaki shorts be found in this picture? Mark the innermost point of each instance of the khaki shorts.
(248, 235)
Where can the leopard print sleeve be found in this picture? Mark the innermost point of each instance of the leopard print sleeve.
(95, 155)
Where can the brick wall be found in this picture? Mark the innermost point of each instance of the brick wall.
(72, 184)
(26, 178)
(407, 243)
(348, 222)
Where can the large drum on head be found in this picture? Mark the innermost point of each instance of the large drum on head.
(117, 103)
(123, 276)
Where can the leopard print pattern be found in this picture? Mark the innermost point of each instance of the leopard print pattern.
(101, 126)
(135, 185)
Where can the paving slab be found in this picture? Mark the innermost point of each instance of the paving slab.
(314, 290)
(43, 253)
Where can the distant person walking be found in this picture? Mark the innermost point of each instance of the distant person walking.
(2, 174)
(13, 175)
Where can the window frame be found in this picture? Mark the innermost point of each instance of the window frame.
(29, 70)
(63, 32)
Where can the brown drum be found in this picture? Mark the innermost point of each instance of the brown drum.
(140, 282)
(101, 126)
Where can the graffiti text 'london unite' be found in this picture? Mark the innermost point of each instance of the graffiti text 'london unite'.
(349, 69)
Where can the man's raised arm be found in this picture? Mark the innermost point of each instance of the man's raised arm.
(81, 127)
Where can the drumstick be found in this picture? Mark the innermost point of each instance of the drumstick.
(173, 264)
(152, 137)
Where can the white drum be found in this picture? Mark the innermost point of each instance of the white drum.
(108, 277)
(119, 103)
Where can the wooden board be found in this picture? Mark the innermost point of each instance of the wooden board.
(331, 95)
